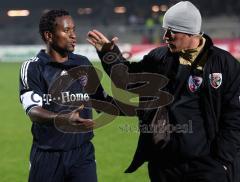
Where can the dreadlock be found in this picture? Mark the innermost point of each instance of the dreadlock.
(47, 21)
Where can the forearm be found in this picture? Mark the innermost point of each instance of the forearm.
(229, 127)
(66, 122)
(228, 136)
(41, 116)
(228, 145)
(110, 58)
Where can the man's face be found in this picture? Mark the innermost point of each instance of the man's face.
(176, 41)
(64, 37)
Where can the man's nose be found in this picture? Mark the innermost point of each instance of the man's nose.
(167, 35)
(73, 35)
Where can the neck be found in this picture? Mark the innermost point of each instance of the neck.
(57, 55)
(191, 53)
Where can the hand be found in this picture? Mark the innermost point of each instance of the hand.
(100, 41)
(72, 122)
(74, 119)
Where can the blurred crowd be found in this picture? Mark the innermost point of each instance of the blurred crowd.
(139, 18)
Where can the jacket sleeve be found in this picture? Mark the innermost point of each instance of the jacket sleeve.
(29, 85)
(228, 138)
(114, 57)
(125, 75)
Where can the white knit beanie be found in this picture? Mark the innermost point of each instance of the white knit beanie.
(183, 17)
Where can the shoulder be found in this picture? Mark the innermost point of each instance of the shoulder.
(223, 59)
(157, 54)
(218, 59)
(30, 65)
(159, 51)
(81, 60)
(29, 71)
(223, 65)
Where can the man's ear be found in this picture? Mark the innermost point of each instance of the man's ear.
(48, 36)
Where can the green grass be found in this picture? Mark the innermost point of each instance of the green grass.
(114, 147)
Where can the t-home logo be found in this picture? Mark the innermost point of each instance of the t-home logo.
(66, 97)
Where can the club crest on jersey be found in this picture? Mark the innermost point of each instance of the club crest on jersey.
(194, 82)
(83, 80)
(215, 80)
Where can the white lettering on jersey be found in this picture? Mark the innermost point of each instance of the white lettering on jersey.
(67, 97)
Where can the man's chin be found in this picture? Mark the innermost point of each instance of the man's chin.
(71, 49)
(173, 50)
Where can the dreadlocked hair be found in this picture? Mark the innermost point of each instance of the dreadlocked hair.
(47, 21)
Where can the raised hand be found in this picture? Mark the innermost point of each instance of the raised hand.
(100, 41)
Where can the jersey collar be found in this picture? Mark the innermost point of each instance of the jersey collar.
(45, 58)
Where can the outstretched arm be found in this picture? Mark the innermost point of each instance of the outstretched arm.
(43, 116)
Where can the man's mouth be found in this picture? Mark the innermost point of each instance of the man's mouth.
(171, 45)
(73, 43)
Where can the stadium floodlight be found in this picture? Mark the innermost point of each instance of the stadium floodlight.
(155, 8)
(120, 9)
(85, 11)
(45, 11)
(163, 8)
(14, 13)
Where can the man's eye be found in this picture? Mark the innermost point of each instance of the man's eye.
(173, 32)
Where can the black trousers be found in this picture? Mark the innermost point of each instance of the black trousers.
(204, 169)
(77, 165)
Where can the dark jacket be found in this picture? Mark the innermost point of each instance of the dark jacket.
(220, 104)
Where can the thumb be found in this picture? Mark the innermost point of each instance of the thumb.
(79, 108)
(114, 40)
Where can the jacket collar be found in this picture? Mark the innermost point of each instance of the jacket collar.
(46, 59)
(200, 59)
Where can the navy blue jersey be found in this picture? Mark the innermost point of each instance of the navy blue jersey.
(59, 87)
